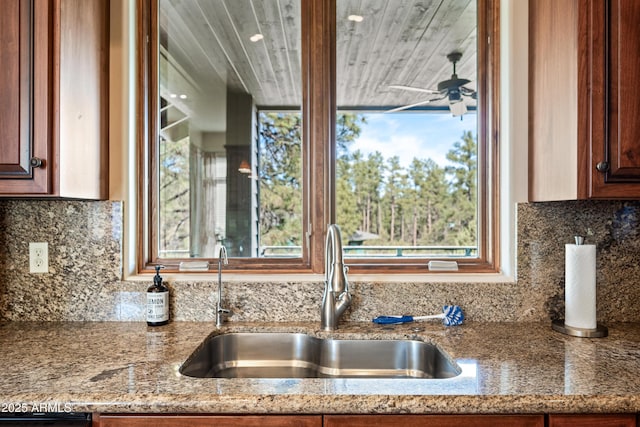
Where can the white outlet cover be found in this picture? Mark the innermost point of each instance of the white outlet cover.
(38, 257)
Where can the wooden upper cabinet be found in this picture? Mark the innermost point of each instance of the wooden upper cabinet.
(584, 99)
(54, 98)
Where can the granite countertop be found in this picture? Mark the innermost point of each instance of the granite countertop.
(128, 367)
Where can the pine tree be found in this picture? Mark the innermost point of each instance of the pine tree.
(173, 219)
(392, 194)
(463, 218)
(280, 179)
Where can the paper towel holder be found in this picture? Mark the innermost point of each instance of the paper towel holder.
(600, 331)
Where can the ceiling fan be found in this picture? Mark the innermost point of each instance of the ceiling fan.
(452, 89)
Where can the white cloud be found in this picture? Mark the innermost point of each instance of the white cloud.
(411, 135)
(405, 146)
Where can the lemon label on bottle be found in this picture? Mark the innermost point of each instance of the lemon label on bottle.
(157, 306)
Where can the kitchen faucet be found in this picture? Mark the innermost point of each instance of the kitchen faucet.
(336, 296)
(222, 258)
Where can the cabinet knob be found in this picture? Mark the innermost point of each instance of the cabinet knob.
(602, 166)
(36, 162)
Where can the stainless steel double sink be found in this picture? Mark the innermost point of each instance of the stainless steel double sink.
(297, 355)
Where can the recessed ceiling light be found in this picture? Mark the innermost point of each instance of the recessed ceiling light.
(256, 37)
(355, 18)
(183, 96)
(173, 95)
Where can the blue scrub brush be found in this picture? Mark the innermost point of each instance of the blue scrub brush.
(451, 315)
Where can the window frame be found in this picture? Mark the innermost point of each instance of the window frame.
(318, 45)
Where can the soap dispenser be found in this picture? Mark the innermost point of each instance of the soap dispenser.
(157, 301)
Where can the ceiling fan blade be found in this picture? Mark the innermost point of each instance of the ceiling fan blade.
(405, 107)
(415, 89)
(469, 93)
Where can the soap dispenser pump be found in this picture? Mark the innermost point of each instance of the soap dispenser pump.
(157, 301)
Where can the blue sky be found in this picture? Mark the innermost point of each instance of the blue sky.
(410, 135)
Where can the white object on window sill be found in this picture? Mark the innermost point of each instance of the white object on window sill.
(194, 266)
(443, 266)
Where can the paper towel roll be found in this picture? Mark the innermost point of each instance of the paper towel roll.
(580, 286)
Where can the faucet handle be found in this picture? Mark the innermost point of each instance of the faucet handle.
(221, 312)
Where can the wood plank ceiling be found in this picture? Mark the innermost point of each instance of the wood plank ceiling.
(206, 51)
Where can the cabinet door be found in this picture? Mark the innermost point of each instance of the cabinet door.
(169, 420)
(614, 73)
(24, 91)
(434, 420)
(15, 39)
(600, 420)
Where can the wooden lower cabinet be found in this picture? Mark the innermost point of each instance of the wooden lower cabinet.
(168, 420)
(434, 420)
(592, 420)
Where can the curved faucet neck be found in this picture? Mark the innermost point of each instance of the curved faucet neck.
(336, 296)
(220, 311)
(334, 268)
(222, 256)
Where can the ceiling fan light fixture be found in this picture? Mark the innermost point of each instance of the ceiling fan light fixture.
(458, 108)
(245, 167)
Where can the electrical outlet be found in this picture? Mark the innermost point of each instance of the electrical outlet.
(38, 257)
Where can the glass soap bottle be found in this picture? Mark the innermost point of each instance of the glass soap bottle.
(157, 301)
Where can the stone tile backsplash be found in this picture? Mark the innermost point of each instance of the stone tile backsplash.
(613, 226)
(85, 261)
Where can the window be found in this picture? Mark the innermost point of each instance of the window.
(266, 120)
